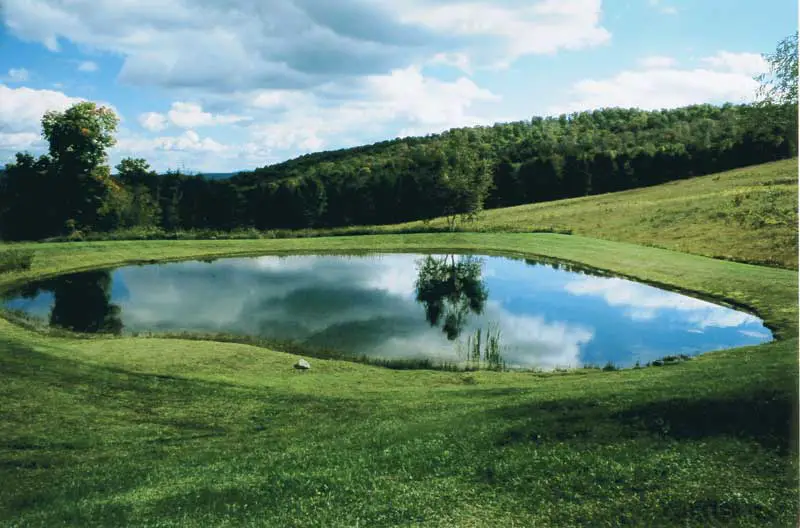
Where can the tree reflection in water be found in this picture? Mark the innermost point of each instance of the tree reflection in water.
(82, 302)
(449, 290)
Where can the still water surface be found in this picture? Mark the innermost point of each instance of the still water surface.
(399, 306)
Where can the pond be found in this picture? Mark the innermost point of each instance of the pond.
(529, 314)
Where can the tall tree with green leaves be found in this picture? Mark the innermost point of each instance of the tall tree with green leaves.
(78, 138)
(464, 184)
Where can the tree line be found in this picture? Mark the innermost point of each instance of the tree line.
(453, 174)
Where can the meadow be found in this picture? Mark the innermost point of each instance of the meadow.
(120, 431)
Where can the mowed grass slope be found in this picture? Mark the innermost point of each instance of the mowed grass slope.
(161, 432)
(747, 214)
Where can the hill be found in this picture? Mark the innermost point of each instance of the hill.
(747, 214)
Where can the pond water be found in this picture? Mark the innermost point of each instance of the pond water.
(399, 306)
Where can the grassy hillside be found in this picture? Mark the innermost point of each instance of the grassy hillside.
(749, 215)
(154, 432)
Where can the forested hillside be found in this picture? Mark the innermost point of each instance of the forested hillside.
(528, 161)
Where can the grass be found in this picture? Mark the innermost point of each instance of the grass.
(112, 431)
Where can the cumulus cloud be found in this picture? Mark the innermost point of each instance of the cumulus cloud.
(186, 115)
(191, 115)
(190, 150)
(301, 43)
(189, 141)
(21, 111)
(153, 121)
(405, 97)
(750, 64)
(725, 77)
(19, 141)
(524, 28)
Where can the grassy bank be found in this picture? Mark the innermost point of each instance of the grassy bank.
(154, 432)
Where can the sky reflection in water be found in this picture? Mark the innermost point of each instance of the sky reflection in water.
(367, 305)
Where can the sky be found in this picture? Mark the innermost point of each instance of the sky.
(226, 85)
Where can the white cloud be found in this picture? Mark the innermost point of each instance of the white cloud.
(533, 341)
(18, 75)
(403, 96)
(656, 62)
(727, 77)
(186, 115)
(189, 141)
(749, 64)
(274, 99)
(153, 121)
(21, 109)
(456, 60)
(191, 151)
(191, 115)
(88, 66)
(540, 28)
(19, 141)
(234, 44)
(21, 112)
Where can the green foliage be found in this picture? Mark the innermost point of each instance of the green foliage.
(15, 260)
(79, 136)
(779, 85)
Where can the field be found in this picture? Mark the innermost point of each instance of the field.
(166, 432)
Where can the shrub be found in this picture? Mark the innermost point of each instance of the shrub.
(15, 260)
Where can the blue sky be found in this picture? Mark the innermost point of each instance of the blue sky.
(222, 85)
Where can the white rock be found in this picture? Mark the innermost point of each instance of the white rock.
(302, 365)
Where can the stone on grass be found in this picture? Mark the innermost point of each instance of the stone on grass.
(302, 365)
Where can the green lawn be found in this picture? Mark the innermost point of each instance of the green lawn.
(162, 432)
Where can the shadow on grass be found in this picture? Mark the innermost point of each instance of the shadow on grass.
(766, 416)
(181, 409)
